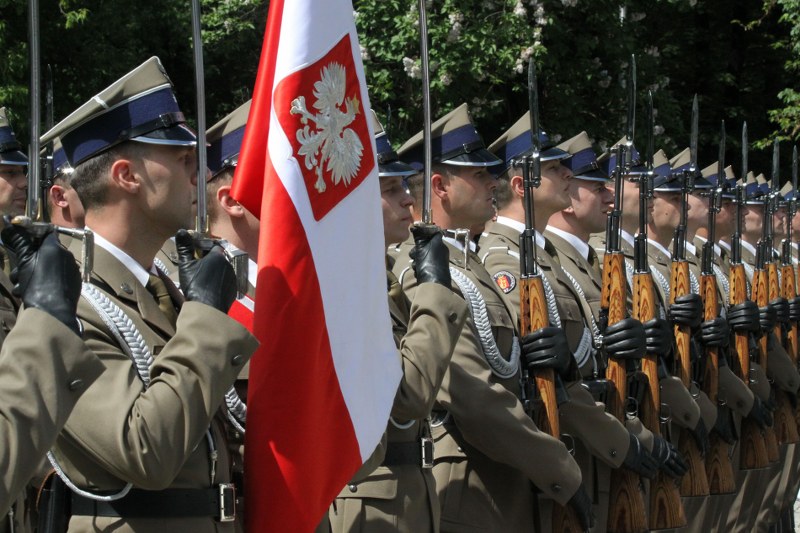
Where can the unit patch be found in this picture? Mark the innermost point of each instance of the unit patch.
(505, 280)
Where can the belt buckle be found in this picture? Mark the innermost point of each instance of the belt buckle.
(426, 447)
(227, 502)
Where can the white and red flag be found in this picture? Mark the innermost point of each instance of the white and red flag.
(322, 384)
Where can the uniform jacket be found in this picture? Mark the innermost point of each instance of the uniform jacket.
(488, 450)
(403, 497)
(154, 438)
(44, 369)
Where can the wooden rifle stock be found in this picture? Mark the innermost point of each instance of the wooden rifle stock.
(627, 512)
(761, 296)
(719, 469)
(789, 291)
(533, 316)
(785, 423)
(695, 482)
(754, 448)
(666, 508)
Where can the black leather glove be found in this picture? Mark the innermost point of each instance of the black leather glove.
(640, 460)
(431, 259)
(547, 348)
(46, 276)
(744, 316)
(687, 310)
(715, 332)
(670, 460)
(210, 279)
(700, 435)
(724, 424)
(767, 317)
(581, 503)
(658, 335)
(760, 414)
(781, 307)
(625, 339)
(794, 309)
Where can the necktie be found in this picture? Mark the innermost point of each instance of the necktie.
(157, 287)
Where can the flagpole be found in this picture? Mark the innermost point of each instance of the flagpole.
(201, 225)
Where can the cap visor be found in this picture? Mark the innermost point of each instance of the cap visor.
(477, 158)
(395, 168)
(14, 157)
(178, 135)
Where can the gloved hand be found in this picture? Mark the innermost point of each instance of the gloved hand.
(687, 310)
(760, 414)
(700, 435)
(743, 317)
(640, 460)
(46, 276)
(209, 280)
(794, 309)
(625, 339)
(715, 332)
(781, 307)
(670, 461)
(724, 424)
(767, 317)
(431, 259)
(547, 348)
(658, 334)
(581, 503)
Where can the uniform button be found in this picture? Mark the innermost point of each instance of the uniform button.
(613, 453)
(237, 359)
(460, 449)
(126, 288)
(555, 487)
(352, 487)
(75, 384)
(452, 318)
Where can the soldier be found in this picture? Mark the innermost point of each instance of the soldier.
(143, 450)
(489, 452)
(64, 206)
(45, 365)
(395, 489)
(13, 170)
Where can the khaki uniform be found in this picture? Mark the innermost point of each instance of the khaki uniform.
(601, 441)
(167, 260)
(397, 494)
(154, 438)
(45, 368)
(488, 450)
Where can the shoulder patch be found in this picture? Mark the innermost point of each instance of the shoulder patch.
(505, 280)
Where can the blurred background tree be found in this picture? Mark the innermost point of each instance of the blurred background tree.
(742, 59)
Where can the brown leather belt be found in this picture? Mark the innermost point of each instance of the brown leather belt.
(218, 502)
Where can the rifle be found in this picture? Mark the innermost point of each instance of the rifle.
(719, 468)
(666, 508)
(788, 280)
(785, 425)
(695, 482)
(533, 304)
(203, 240)
(754, 448)
(627, 510)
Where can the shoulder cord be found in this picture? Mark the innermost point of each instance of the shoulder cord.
(749, 273)
(133, 344)
(477, 309)
(726, 287)
(161, 265)
(693, 283)
(590, 340)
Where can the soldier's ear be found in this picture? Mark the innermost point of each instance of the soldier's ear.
(439, 185)
(56, 193)
(228, 204)
(124, 176)
(517, 186)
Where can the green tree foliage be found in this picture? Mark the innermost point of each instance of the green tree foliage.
(741, 58)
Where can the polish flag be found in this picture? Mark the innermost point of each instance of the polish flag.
(323, 381)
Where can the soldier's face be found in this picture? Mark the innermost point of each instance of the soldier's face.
(13, 189)
(753, 219)
(396, 204)
(726, 219)
(591, 203)
(698, 209)
(553, 192)
(666, 209)
(470, 195)
(170, 183)
(779, 223)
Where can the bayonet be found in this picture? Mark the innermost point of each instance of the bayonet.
(32, 208)
(427, 216)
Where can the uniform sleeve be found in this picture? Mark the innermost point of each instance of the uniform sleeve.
(780, 367)
(491, 418)
(734, 392)
(44, 369)
(603, 435)
(437, 318)
(682, 408)
(146, 435)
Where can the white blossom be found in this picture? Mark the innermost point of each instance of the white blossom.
(692, 3)
(569, 3)
(652, 51)
(364, 52)
(412, 68)
(526, 53)
(456, 17)
(454, 33)
(445, 78)
(636, 17)
(658, 129)
(520, 11)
